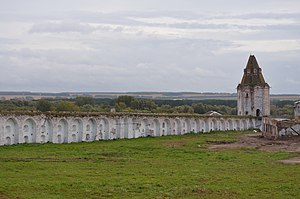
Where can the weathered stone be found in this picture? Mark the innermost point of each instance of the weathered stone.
(297, 111)
(33, 127)
(253, 92)
(277, 128)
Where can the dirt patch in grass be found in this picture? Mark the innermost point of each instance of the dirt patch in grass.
(175, 144)
(291, 144)
(202, 191)
(295, 160)
(256, 141)
(44, 160)
(214, 194)
(110, 154)
(218, 142)
(3, 196)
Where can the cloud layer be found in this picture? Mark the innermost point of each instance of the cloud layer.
(140, 47)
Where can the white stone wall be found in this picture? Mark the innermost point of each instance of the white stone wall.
(275, 129)
(267, 102)
(24, 128)
(269, 128)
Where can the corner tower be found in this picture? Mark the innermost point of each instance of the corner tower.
(253, 92)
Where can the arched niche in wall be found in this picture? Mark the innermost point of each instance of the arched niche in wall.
(46, 131)
(29, 131)
(104, 129)
(11, 132)
(90, 130)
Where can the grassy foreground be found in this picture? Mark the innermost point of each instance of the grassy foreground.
(162, 167)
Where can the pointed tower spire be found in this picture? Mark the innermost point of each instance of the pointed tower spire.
(253, 74)
(253, 91)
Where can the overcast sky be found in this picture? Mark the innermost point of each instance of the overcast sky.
(147, 45)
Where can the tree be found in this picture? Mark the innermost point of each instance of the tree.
(128, 100)
(164, 109)
(43, 105)
(67, 106)
(143, 104)
(120, 106)
(184, 109)
(199, 108)
(87, 108)
(82, 100)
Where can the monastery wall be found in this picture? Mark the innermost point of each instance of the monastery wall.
(273, 128)
(33, 127)
(278, 128)
(297, 111)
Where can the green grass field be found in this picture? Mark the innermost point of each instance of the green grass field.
(161, 167)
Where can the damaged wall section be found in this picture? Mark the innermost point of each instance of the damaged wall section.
(278, 128)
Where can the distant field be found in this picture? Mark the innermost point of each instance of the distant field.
(148, 95)
(161, 167)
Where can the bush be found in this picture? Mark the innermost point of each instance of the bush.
(43, 105)
(81, 101)
(67, 106)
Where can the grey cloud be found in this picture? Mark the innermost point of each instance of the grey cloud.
(101, 66)
(4, 41)
(133, 64)
(268, 15)
(63, 52)
(57, 27)
(78, 21)
(290, 29)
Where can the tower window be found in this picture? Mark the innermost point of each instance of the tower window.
(247, 95)
(257, 113)
(246, 112)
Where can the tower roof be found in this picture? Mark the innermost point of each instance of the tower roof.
(253, 74)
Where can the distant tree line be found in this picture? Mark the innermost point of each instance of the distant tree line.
(282, 108)
(131, 104)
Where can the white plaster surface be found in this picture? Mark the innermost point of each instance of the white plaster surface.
(42, 128)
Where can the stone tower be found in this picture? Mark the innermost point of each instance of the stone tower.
(253, 92)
